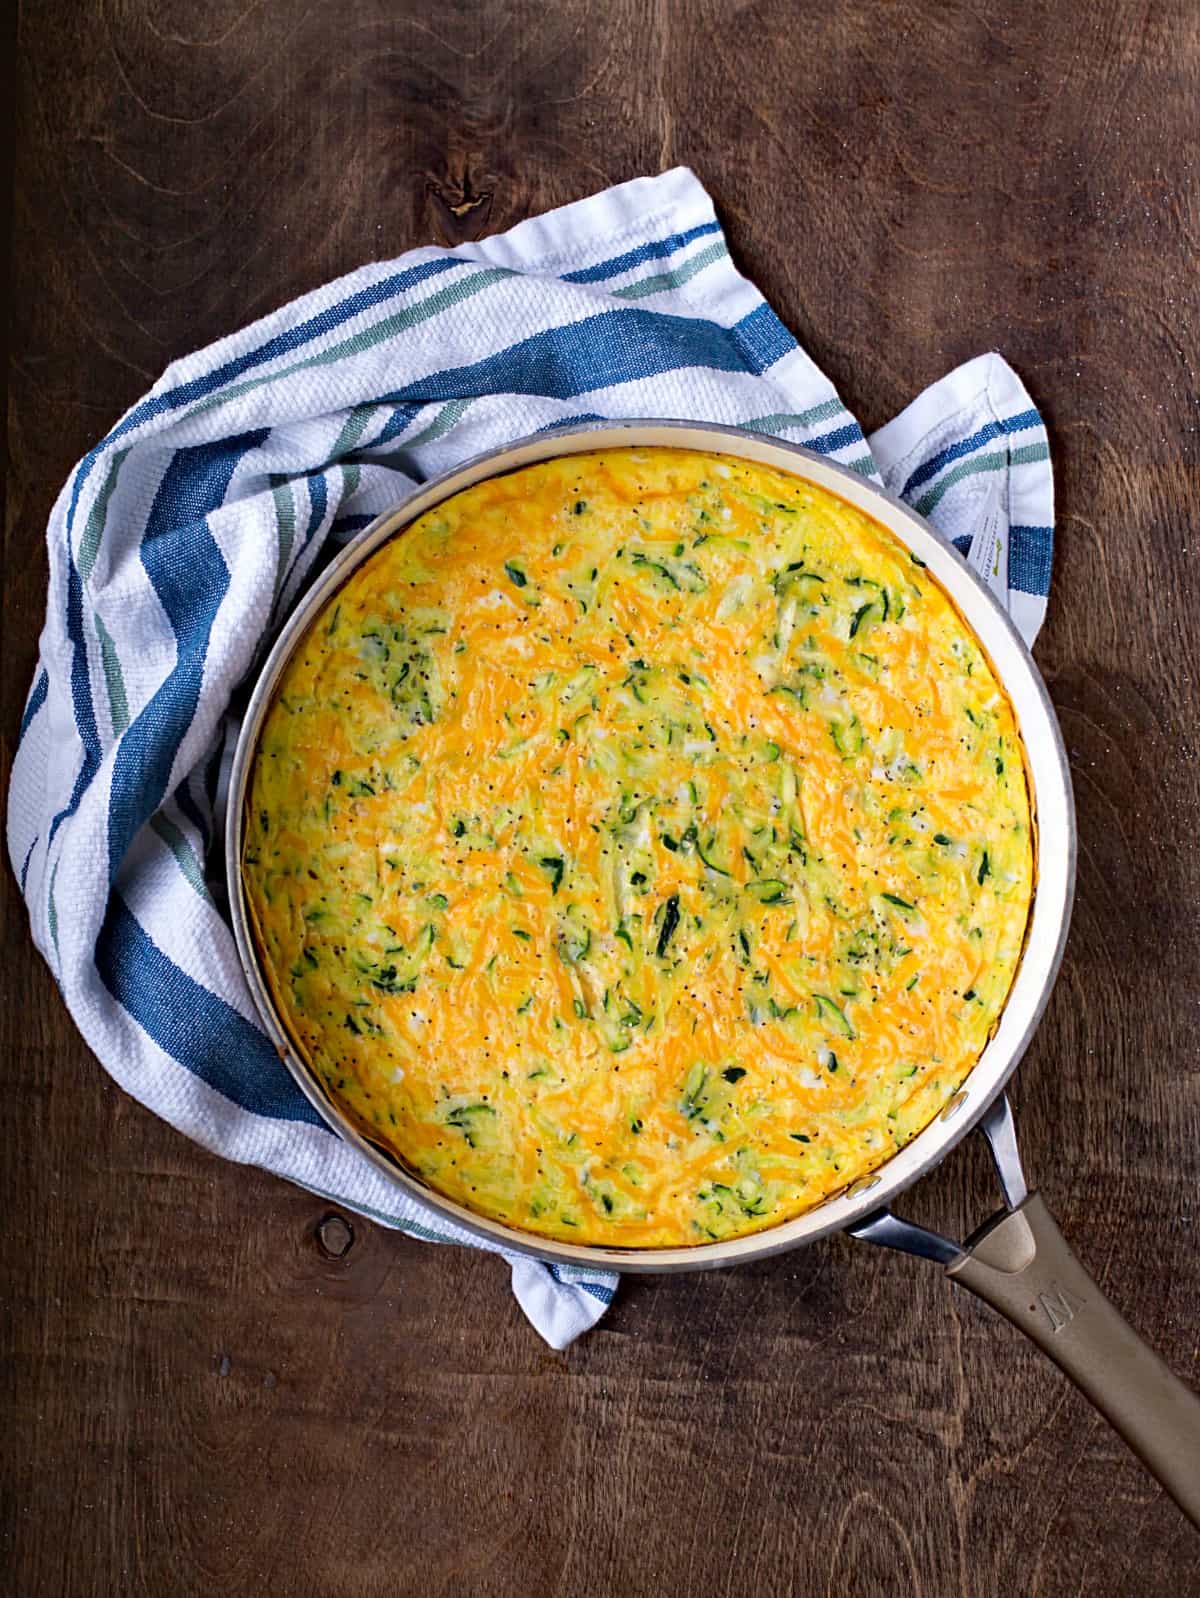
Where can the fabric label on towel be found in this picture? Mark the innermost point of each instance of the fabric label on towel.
(989, 545)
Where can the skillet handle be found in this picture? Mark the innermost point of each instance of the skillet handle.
(1021, 1265)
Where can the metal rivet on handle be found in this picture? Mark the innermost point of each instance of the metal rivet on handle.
(863, 1185)
(953, 1106)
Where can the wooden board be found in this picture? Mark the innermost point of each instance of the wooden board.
(196, 1397)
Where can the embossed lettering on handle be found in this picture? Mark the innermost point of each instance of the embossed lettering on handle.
(1021, 1264)
(1060, 1307)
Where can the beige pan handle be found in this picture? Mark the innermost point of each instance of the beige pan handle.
(1021, 1265)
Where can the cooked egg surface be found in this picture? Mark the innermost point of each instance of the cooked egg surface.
(639, 847)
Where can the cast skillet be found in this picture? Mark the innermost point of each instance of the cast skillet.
(1018, 1261)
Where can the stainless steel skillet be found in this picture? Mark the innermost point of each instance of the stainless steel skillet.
(1018, 1261)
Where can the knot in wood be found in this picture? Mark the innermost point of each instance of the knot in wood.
(335, 1236)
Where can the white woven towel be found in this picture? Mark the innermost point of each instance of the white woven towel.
(181, 540)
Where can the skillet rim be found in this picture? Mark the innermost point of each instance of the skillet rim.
(1046, 768)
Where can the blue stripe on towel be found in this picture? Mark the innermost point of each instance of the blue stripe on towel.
(188, 573)
(596, 1289)
(28, 858)
(192, 1025)
(655, 250)
(1010, 424)
(840, 438)
(344, 526)
(36, 700)
(1030, 557)
(603, 351)
(81, 700)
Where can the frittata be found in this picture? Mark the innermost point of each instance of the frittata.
(639, 847)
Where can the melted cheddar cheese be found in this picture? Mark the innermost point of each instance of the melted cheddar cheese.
(639, 847)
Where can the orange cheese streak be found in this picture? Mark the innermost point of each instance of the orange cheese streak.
(639, 847)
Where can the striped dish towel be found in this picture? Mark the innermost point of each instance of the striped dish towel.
(184, 536)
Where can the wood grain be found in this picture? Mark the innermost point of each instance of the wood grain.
(199, 1394)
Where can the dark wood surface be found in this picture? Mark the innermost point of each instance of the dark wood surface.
(196, 1399)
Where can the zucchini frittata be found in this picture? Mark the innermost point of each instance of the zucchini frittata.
(639, 847)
